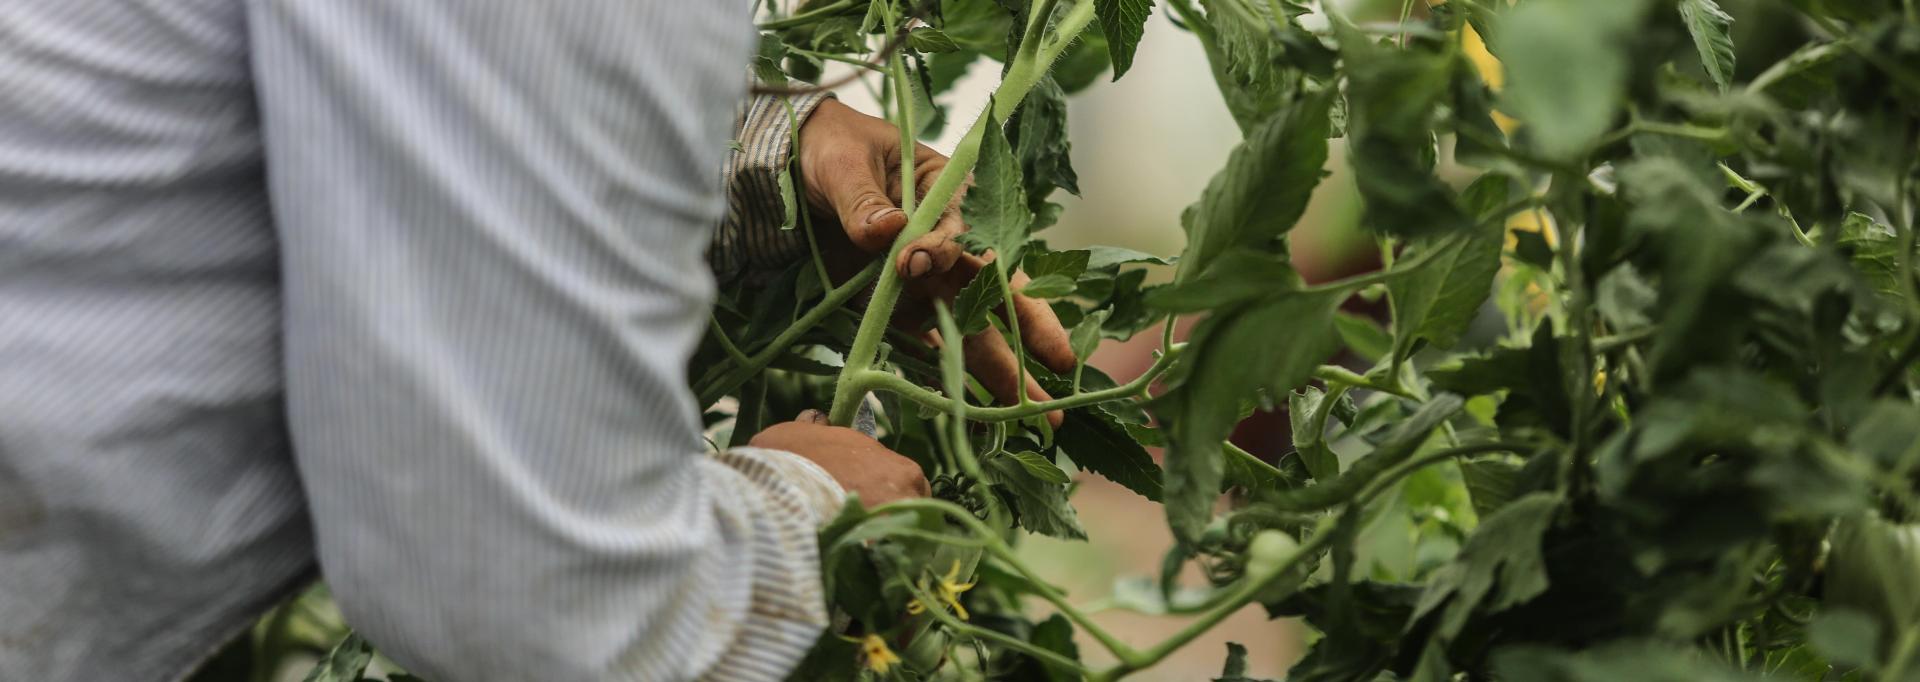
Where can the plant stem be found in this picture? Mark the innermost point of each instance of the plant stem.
(878, 380)
(726, 344)
(1362, 281)
(712, 390)
(1335, 374)
(1025, 70)
(939, 613)
(809, 16)
(999, 549)
(1242, 594)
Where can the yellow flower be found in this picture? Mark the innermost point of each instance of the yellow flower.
(949, 592)
(880, 659)
(1600, 382)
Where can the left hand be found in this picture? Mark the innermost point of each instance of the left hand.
(850, 164)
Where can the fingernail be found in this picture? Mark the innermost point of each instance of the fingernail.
(919, 263)
(812, 417)
(877, 215)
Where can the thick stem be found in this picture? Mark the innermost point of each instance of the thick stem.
(809, 16)
(1022, 74)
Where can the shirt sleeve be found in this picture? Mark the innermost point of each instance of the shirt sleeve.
(492, 217)
(755, 235)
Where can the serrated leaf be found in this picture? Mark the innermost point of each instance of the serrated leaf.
(1363, 336)
(1085, 337)
(1709, 25)
(996, 207)
(1273, 344)
(1040, 467)
(1441, 297)
(931, 40)
(1041, 505)
(1501, 565)
(1040, 263)
(1490, 484)
(1038, 133)
(1098, 443)
(1307, 440)
(1123, 22)
(1048, 286)
(976, 301)
(1263, 189)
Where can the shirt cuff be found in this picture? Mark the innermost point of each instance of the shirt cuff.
(751, 236)
(777, 501)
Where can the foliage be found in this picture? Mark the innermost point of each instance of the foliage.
(1692, 455)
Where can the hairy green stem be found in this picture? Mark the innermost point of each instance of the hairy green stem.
(878, 380)
(1028, 66)
(726, 344)
(734, 377)
(1341, 376)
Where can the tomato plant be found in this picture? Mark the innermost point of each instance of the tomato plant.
(1693, 453)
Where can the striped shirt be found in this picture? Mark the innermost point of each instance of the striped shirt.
(406, 289)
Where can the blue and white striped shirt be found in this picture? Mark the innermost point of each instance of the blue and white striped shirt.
(404, 287)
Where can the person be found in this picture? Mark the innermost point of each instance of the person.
(408, 289)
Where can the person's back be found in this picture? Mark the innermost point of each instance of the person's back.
(147, 496)
(479, 227)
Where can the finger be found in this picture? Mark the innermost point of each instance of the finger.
(992, 362)
(1040, 329)
(935, 252)
(852, 183)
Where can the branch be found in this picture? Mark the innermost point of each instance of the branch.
(877, 380)
(732, 379)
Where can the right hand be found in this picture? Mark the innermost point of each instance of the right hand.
(861, 464)
(850, 169)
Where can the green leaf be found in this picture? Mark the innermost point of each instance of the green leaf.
(1567, 65)
(1437, 300)
(1123, 21)
(1491, 484)
(1040, 503)
(1097, 442)
(1307, 440)
(930, 40)
(1040, 467)
(1500, 564)
(1236, 276)
(1709, 25)
(976, 302)
(1273, 344)
(1101, 257)
(345, 663)
(1085, 337)
(1263, 189)
(996, 207)
(1363, 336)
(1038, 133)
(1804, 76)
(1056, 634)
(1038, 263)
(1048, 286)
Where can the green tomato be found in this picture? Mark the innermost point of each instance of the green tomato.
(1269, 552)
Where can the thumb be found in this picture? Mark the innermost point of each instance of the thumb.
(867, 214)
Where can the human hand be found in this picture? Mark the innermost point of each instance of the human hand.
(858, 462)
(850, 165)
